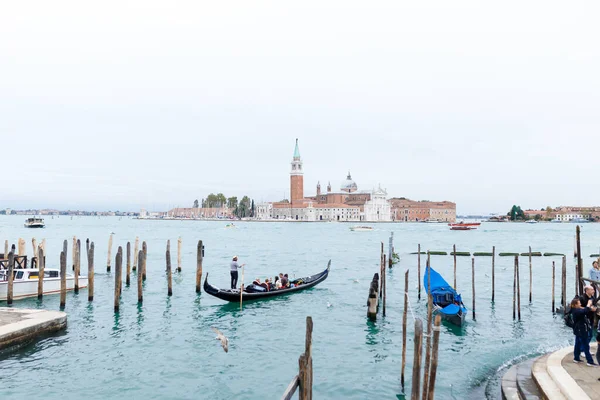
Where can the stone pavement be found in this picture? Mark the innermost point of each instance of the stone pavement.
(19, 326)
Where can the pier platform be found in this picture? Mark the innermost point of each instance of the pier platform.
(553, 376)
(19, 326)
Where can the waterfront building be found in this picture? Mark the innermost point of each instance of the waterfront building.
(198, 213)
(346, 205)
(378, 208)
(407, 210)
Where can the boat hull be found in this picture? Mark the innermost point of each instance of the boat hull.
(28, 288)
(234, 295)
(455, 319)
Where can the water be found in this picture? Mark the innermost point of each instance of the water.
(165, 348)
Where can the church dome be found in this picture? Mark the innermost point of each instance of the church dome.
(349, 185)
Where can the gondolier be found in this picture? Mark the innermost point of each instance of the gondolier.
(234, 271)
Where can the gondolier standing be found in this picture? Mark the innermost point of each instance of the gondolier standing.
(234, 271)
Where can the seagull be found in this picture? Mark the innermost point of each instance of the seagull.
(356, 281)
(329, 304)
(222, 338)
(487, 275)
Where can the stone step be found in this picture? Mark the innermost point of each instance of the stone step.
(543, 380)
(528, 390)
(510, 390)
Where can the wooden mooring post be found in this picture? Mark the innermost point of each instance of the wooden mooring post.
(429, 317)
(473, 283)
(22, 247)
(179, 254)
(118, 269)
(139, 277)
(563, 295)
(34, 256)
(63, 277)
(381, 270)
(41, 268)
(11, 278)
(90, 256)
(373, 299)
(493, 272)
(416, 372)
(530, 275)
(515, 290)
(5, 249)
(77, 266)
(434, 358)
(404, 318)
(518, 289)
(384, 283)
(419, 269)
(304, 380)
(579, 262)
(454, 251)
(553, 278)
(391, 249)
(135, 253)
(145, 260)
(128, 271)
(110, 240)
(199, 256)
(169, 273)
(74, 252)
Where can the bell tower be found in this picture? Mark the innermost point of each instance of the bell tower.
(318, 188)
(296, 179)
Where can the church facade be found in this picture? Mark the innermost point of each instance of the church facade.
(349, 204)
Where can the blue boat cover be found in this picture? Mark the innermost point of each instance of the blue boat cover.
(451, 309)
(443, 293)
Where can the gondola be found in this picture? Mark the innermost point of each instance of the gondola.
(446, 300)
(233, 295)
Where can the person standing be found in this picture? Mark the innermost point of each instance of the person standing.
(590, 295)
(234, 271)
(595, 271)
(581, 330)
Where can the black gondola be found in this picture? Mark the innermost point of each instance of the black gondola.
(233, 295)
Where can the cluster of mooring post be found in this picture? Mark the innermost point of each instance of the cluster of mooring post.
(16, 257)
(431, 360)
(373, 299)
(304, 380)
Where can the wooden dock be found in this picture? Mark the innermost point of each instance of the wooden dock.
(20, 326)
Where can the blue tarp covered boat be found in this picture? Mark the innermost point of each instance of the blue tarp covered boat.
(445, 299)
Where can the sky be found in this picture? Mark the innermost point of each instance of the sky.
(152, 104)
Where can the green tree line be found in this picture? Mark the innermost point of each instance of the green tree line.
(242, 209)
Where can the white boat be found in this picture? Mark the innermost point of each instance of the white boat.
(361, 228)
(431, 221)
(34, 222)
(531, 221)
(25, 283)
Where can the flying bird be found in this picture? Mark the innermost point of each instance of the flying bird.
(356, 281)
(222, 338)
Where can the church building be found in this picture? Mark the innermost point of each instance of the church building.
(349, 204)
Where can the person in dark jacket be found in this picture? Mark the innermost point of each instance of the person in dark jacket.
(589, 293)
(581, 330)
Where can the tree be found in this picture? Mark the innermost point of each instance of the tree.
(252, 209)
(221, 200)
(232, 202)
(516, 213)
(196, 203)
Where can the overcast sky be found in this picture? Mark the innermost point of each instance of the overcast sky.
(142, 104)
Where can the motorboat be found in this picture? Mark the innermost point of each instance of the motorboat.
(531, 221)
(464, 226)
(25, 282)
(34, 222)
(361, 228)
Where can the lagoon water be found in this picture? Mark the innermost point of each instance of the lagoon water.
(165, 348)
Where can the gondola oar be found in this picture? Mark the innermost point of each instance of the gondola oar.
(242, 288)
